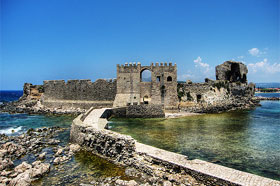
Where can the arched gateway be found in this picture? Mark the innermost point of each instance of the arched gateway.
(138, 84)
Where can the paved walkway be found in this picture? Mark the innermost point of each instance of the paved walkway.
(225, 173)
(93, 119)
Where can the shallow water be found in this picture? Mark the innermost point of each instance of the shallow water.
(244, 140)
(84, 167)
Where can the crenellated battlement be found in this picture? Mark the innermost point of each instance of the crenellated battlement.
(77, 81)
(137, 67)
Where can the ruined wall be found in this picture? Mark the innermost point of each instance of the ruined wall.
(215, 96)
(32, 92)
(232, 71)
(202, 93)
(79, 93)
(100, 90)
(229, 91)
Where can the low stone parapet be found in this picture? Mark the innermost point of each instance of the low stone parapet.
(145, 111)
(109, 144)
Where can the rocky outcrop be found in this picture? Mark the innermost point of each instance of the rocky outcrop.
(260, 98)
(26, 173)
(32, 143)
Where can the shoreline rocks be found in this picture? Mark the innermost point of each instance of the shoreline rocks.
(260, 98)
(32, 143)
(35, 107)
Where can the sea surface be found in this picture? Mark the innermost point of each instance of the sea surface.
(244, 140)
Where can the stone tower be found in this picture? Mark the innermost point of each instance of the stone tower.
(161, 90)
(232, 71)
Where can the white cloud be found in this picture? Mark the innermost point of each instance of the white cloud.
(186, 76)
(264, 66)
(240, 57)
(199, 73)
(254, 51)
(198, 63)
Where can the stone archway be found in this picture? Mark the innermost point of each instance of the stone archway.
(145, 75)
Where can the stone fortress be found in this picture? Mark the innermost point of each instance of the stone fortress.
(142, 98)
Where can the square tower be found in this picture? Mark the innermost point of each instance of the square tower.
(133, 88)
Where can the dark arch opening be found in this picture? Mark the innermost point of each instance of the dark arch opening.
(244, 78)
(169, 78)
(198, 98)
(146, 76)
(235, 72)
(146, 99)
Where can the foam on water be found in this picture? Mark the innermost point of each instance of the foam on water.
(11, 130)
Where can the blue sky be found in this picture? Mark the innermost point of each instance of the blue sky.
(80, 39)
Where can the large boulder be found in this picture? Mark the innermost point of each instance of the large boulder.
(29, 173)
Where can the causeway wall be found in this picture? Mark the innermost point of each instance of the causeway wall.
(88, 131)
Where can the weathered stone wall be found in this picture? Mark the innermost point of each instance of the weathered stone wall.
(215, 96)
(145, 111)
(202, 93)
(117, 147)
(232, 71)
(79, 93)
(32, 92)
(100, 90)
(135, 111)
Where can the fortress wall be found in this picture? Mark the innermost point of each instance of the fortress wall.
(145, 111)
(100, 90)
(205, 93)
(214, 96)
(79, 93)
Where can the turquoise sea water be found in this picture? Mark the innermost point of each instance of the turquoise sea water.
(244, 140)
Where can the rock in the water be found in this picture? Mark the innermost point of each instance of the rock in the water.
(42, 156)
(74, 147)
(59, 151)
